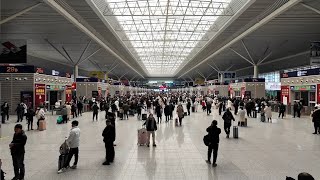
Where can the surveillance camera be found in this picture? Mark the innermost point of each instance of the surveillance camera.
(16, 79)
(25, 78)
(7, 79)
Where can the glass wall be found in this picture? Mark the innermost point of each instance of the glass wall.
(271, 77)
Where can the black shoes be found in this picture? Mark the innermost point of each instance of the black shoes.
(106, 163)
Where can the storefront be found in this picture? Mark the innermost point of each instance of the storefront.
(55, 93)
(273, 90)
(250, 88)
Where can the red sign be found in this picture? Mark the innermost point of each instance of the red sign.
(68, 93)
(318, 93)
(285, 94)
(39, 94)
(39, 70)
(74, 85)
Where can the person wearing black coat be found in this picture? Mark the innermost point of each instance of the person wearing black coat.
(17, 151)
(95, 109)
(188, 106)
(282, 109)
(29, 117)
(316, 120)
(151, 126)
(227, 117)
(74, 110)
(167, 112)
(80, 108)
(109, 136)
(213, 147)
(20, 112)
(171, 105)
(158, 112)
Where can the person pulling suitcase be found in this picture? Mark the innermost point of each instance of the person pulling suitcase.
(227, 117)
(73, 141)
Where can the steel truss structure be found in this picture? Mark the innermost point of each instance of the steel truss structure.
(164, 34)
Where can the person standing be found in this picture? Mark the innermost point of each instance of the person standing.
(73, 142)
(29, 117)
(300, 106)
(151, 126)
(188, 106)
(3, 115)
(64, 113)
(282, 110)
(109, 136)
(95, 110)
(171, 105)
(68, 106)
(180, 113)
(295, 109)
(6, 109)
(236, 106)
(316, 120)
(20, 112)
(209, 105)
(126, 108)
(80, 107)
(213, 147)
(268, 113)
(17, 152)
(167, 112)
(227, 117)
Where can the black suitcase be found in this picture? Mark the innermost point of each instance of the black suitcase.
(62, 160)
(235, 132)
(193, 109)
(185, 114)
(263, 117)
(121, 115)
(131, 112)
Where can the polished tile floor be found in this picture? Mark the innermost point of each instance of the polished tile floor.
(264, 151)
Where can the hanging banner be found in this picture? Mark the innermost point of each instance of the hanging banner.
(39, 94)
(285, 94)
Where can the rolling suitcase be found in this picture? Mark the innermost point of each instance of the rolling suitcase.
(254, 114)
(142, 136)
(263, 118)
(235, 132)
(176, 122)
(185, 114)
(62, 160)
(193, 109)
(131, 112)
(42, 125)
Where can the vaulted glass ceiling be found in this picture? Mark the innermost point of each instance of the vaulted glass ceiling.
(163, 34)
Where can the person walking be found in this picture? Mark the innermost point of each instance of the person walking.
(171, 110)
(209, 105)
(126, 108)
(167, 112)
(282, 110)
(151, 126)
(188, 106)
(227, 117)
(18, 151)
(3, 115)
(73, 142)
(74, 110)
(109, 136)
(158, 112)
(180, 113)
(5, 108)
(29, 117)
(213, 146)
(95, 110)
(316, 120)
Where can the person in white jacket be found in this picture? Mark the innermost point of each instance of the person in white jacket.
(268, 113)
(73, 142)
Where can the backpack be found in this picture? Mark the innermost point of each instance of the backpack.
(206, 140)
(64, 148)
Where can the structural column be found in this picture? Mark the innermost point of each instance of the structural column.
(222, 77)
(75, 73)
(255, 71)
